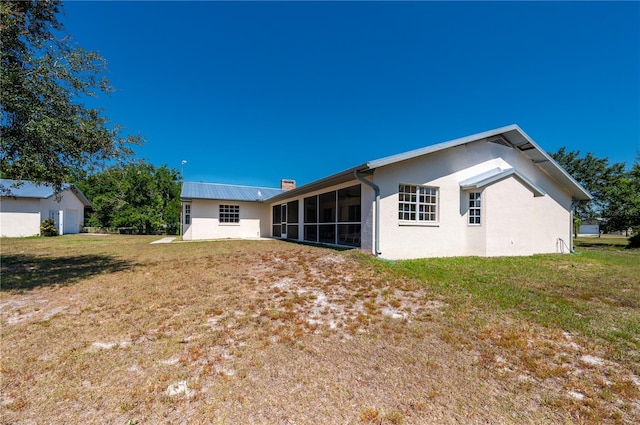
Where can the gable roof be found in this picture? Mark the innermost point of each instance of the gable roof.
(29, 189)
(511, 136)
(227, 192)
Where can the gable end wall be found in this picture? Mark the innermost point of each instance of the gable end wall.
(509, 207)
(21, 217)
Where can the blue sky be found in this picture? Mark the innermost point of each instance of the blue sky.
(252, 92)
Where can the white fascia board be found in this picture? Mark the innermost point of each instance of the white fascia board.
(81, 196)
(536, 154)
(555, 169)
(438, 147)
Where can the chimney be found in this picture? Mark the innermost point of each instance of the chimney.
(287, 184)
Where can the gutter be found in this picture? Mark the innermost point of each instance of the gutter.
(377, 216)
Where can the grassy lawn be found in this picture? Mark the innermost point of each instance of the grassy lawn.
(603, 242)
(110, 329)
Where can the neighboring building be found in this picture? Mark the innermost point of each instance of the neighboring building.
(490, 194)
(589, 229)
(23, 208)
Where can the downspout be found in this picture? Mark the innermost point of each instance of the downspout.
(376, 189)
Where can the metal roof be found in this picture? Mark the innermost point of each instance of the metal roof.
(334, 179)
(227, 192)
(28, 189)
(492, 176)
(511, 136)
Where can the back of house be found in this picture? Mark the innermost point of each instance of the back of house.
(490, 194)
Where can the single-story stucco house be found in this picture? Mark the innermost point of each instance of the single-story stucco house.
(24, 207)
(495, 193)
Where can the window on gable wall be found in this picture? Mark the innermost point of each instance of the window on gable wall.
(229, 213)
(475, 208)
(187, 213)
(417, 203)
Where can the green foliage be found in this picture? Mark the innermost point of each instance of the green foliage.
(623, 209)
(577, 222)
(615, 191)
(48, 228)
(136, 195)
(47, 131)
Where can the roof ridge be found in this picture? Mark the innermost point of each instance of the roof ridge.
(236, 185)
(440, 146)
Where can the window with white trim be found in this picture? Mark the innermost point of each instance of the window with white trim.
(187, 213)
(417, 203)
(475, 203)
(229, 213)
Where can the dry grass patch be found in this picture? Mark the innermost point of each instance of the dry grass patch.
(269, 332)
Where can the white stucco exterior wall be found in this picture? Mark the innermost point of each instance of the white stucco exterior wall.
(72, 211)
(205, 223)
(21, 217)
(510, 210)
(367, 242)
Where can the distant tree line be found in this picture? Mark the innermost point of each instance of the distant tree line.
(615, 190)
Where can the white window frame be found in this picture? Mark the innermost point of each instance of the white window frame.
(229, 214)
(187, 214)
(475, 209)
(418, 204)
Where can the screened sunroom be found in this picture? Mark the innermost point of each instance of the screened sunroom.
(332, 217)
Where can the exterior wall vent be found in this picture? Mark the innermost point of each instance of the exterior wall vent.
(499, 139)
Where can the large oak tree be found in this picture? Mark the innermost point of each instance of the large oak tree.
(47, 132)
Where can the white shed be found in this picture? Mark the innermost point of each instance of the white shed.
(24, 205)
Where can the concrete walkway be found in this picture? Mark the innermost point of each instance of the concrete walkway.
(164, 240)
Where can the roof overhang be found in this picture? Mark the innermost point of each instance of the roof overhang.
(332, 180)
(80, 196)
(496, 175)
(30, 190)
(543, 160)
(511, 136)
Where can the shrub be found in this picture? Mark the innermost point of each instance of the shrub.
(48, 228)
